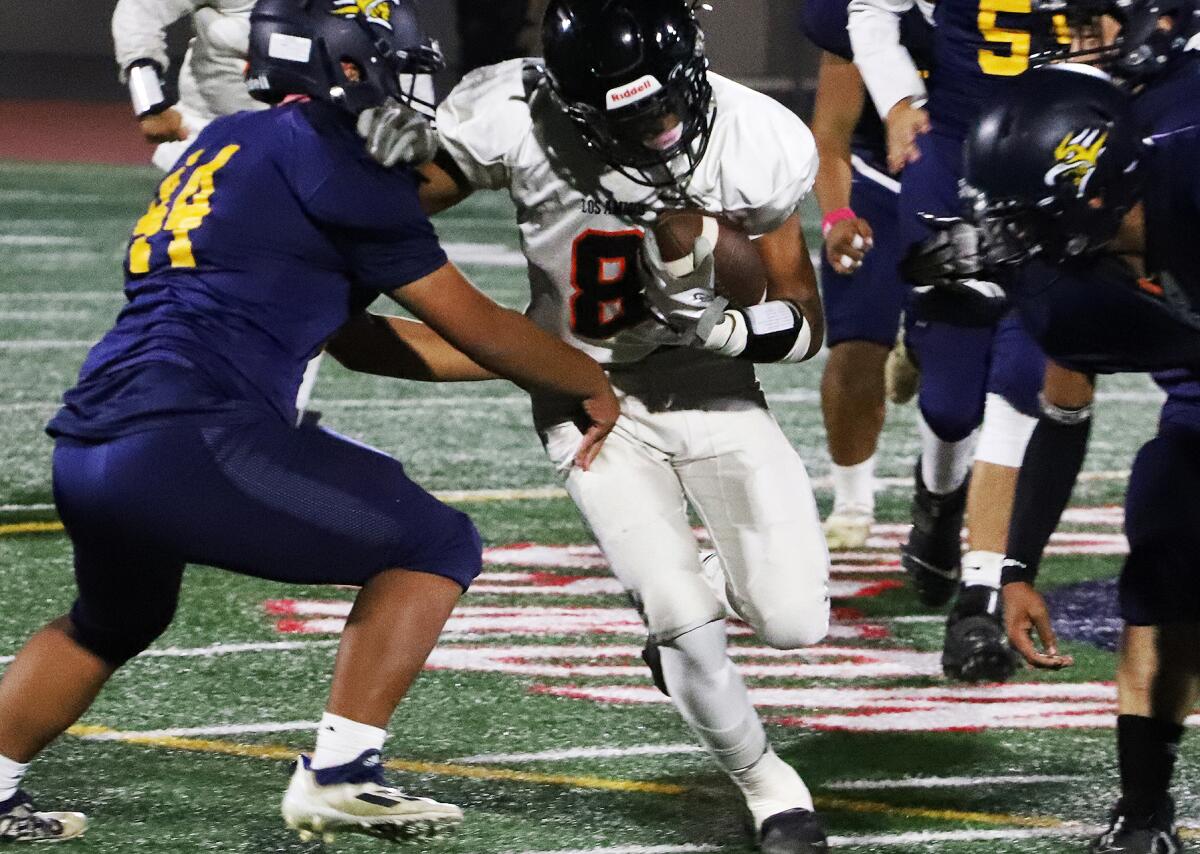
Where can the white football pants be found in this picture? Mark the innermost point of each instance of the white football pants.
(749, 487)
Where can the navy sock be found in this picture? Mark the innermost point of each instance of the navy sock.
(1147, 749)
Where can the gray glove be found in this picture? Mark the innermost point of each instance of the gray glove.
(396, 133)
(680, 292)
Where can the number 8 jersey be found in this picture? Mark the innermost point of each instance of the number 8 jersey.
(581, 223)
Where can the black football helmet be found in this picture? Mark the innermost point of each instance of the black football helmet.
(1052, 166)
(297, 47)
(621, 69)
(1151, 34)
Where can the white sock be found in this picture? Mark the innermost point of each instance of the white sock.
(710, 695)
(854, 486)
(771, 786)
(341, 740)
(10, 777)
(982, 569)
(945, 465)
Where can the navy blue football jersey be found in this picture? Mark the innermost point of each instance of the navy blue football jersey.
(979, 47)
(825, 22)
(269, 232)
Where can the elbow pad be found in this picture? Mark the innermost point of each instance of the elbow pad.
(146, 89)
(773, 331)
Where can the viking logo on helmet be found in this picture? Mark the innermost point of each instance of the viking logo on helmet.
(376, 11)
(1076, 158)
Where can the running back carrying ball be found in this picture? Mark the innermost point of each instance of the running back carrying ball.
(739, 273)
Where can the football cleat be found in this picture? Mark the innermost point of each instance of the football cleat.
(794, 831)
(901, 374)
(932, 557)
(976, 647)
(1139, 835)
(848, 527)
(20, 821)
(354, 798)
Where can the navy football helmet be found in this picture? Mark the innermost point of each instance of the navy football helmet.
(1151, 34)
(632, 76)
(1052, 166)
(298, 47)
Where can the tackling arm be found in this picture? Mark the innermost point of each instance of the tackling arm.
(390, 346)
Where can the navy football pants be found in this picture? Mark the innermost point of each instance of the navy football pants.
(960, 365)
(303, 506)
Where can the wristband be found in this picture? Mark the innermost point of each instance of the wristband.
(1013, 571)
(146, 88)
(834, 217)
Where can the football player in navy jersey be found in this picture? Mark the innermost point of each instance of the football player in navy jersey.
(984, 373)
(178, 444)
(860, 270)
(1100, 189)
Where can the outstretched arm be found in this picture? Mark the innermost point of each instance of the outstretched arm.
(390, 346)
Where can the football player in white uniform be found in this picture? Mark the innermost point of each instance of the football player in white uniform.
(622, 121)
(212, 78)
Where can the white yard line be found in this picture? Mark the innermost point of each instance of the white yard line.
(950, 782)
(485, 254)
(49, 198)
(44, 315)
(225, 649)
(37, 240)
(565, 755)
(31, 345)
(634, 849)
(190, 732)
(922, 837)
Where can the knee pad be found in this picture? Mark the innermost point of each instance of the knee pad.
(118, 637)
(1005, 433)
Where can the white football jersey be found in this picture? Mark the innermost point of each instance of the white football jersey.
(581, 223)
(212, 80)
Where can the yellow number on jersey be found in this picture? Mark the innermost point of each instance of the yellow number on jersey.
(187, 212)
(1019, 41)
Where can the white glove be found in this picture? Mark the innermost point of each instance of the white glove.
(396, 133)
(679, 292)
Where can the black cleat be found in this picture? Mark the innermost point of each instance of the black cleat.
(976, 648)
(1128, 834)
(932, 557)
(794, 831)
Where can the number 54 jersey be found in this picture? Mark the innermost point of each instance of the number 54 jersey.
(581, 223)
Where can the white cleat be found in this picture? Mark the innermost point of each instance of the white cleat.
(848, 527)
(20, 821)
(371, 807)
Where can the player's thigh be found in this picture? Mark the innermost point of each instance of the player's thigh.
(1160, 582)
(955, 362)
(866, 305)
(127, 583)
(929, 186)
(753, 493)
(1018, 366)
(632, 501)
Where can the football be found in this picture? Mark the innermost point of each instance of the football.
(739, 274)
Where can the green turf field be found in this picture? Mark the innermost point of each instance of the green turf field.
(536, 715)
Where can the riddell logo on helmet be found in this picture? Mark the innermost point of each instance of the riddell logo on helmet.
(631, 93)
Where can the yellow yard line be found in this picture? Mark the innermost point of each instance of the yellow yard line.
(30, 528)
(480, 772)
(826, 802)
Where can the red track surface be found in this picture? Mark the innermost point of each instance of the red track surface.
(71, 131)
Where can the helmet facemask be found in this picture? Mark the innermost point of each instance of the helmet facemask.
(639, 140)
